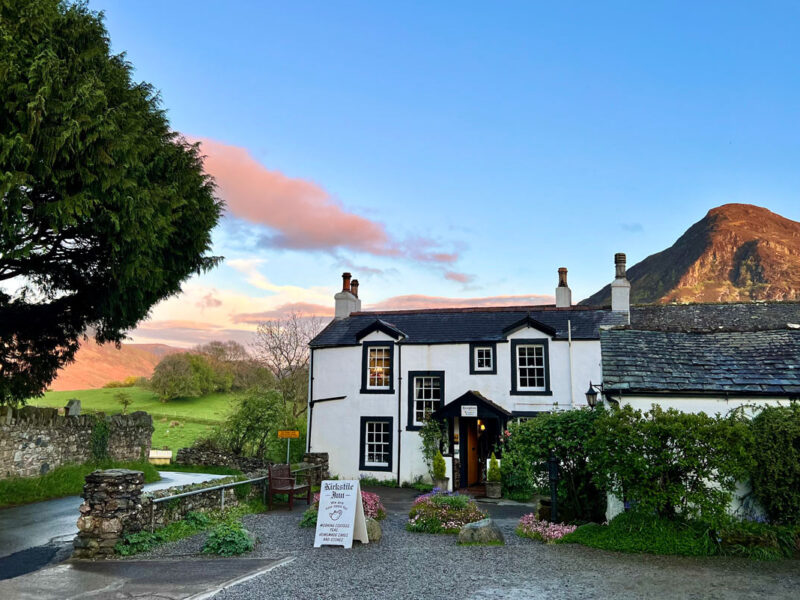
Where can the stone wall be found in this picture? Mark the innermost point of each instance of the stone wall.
(207, 455)
(112, 506)
(157, 515)
(34, 440)
(320, 460)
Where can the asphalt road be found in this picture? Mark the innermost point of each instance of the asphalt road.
(32, 533)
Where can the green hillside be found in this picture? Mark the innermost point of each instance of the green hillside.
(177, 423)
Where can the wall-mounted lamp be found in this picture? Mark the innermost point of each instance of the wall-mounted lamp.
(591, 394)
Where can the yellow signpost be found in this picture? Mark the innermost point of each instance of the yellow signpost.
(288, 435)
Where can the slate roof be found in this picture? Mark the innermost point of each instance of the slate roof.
(748, 363)
(468, 325)
(741, 316)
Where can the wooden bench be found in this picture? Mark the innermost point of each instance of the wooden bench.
(281, 481)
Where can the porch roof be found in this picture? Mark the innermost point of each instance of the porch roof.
(486, 408)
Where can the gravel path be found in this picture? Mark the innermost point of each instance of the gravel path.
(430, 567)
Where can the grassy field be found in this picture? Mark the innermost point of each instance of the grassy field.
(177, 422)
(66, 480)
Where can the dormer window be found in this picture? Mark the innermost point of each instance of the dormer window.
(530, 373)
(376, 368)
(482, 358)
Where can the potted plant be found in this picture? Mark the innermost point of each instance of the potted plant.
(493, 477)
(439, 471)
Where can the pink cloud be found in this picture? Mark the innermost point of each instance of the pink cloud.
(302, 213)
(458, 277)
(305, 309)
(209, 301)
(420, 301)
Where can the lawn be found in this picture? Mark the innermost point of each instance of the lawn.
(195, 417)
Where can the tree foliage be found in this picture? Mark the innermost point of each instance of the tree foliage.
(566, 435)
(232, 359)
(281, 346)
(672, 463)
(105, 209)
(188, 375)
(776, 476)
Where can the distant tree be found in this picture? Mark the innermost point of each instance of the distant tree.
(188, 375)
(281, 346)
(231, 360)
(104, 209)
(124, 399)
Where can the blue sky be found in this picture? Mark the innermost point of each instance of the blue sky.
(495, 142)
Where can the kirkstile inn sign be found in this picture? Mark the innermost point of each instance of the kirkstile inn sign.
(340, 519)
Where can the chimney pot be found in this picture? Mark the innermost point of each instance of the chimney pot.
(346, 281)
(354, 287)
(562, 277)
(563, 293)
(619, 262)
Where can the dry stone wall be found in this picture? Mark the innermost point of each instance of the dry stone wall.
(34, 440)
(208, 456)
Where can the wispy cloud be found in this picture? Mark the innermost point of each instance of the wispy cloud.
(301, 214)
(413, 301)
(633, 227)
(305, 309)
(459, 277)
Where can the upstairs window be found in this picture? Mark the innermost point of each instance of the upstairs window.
(482, 358)
(530, 369)
(376, 368)
(380, 368)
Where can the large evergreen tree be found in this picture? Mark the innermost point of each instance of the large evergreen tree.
(104, 209)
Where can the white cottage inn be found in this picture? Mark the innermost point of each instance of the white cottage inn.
(375, 376)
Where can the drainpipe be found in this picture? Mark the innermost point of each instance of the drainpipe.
(569, 341)
(399, 407)
(310, 399)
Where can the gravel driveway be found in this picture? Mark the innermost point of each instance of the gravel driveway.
(430, 567)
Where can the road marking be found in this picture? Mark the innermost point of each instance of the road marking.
(236, 581)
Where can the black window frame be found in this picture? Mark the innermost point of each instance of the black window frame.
(362, 457)
(411, 399)
(545, 343)
(472, 369)
(365, 346)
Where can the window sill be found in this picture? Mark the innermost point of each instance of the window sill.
(375, 468)
(413, 427)
(376, 391)
(531, 393)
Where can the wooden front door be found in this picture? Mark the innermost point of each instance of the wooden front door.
(473, 474)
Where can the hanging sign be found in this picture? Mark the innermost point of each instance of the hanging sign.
(469, 411)
(341, 515)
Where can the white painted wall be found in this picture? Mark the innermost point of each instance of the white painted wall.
(711, 405)
(337, 372)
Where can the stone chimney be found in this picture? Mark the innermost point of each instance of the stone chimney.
(563, 293)
(347, 300)
(621, 288)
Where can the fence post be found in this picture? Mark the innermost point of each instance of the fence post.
(222, 497)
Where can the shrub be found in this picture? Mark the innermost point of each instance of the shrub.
(98, 440)
(442, 512)
(531, 527)
(431, 435)
(527, 446)
(124, 399)
(670, 462)
(197, 519)
(309, 518)
(493, 475)
(776, 475)
(228, 539)
(637, 532)
(136, 543)
(439, 467)
(242, 491)
(375, 482)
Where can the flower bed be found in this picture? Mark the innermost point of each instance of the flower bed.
(545, 531)
(442, 512)
(373, 507)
